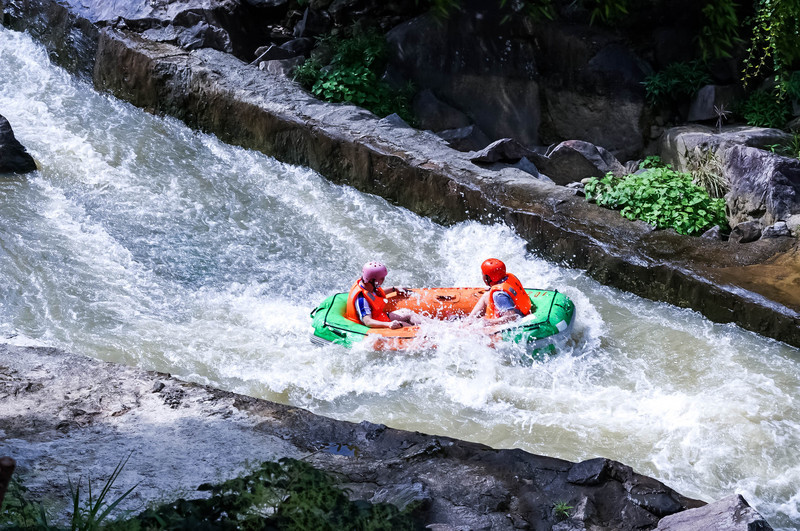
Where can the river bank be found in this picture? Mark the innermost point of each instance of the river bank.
(64, 416)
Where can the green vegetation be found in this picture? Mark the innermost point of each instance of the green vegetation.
(18, 512)
(353, 75)
(764, 109)
(288, 494)
(773, 47)
(676, 82)
(721, 30)
(661, 197)
(788, 149)
(562, 509)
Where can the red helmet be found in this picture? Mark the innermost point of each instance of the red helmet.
(373, 271)
(493, 271)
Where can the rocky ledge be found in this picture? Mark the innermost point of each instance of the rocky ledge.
(64, 416)
(756, 285)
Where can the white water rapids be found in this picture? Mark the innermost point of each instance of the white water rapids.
(143, 242)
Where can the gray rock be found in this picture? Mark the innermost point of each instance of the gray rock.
(677, 145)
(778, 230)
(272, 53)
(300, 46)
(402, 495)
(503, 150)
(714, 233)
(710, 99)
(729, 514)
(282, 67)
(793, 224)
(574, 160)
(433, 114)
(746, 232)
(469, 138)
(490, 76)
(313, 23)
(763, 186)
(589, 472)
(395, 121)
(14, 158)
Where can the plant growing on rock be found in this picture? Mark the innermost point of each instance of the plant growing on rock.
(353, 75)
(562, 509)
(763, 109)
(661, 197)
(707, 173)
(677, 81)
(288, 494)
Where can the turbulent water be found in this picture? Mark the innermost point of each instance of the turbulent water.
(143, 242)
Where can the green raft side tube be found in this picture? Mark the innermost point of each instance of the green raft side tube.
(550, 323)
(331, 326)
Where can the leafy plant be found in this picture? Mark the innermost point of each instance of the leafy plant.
(791, 86)
(773, 48)
(20, 513)
(721, 30)
(651, 161)
(787, 149)
(763, 109)
(676, 81)
(353, 75)
(661, 197)
(562, 509)
(606, 11)
(288, 494)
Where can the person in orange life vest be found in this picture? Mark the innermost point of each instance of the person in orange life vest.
(367, 301)
(506, 300)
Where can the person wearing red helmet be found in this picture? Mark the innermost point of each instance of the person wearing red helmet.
(506, 299)
(367, 301)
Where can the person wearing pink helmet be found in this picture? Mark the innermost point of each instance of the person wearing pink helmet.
(505, 300)
(366, 302)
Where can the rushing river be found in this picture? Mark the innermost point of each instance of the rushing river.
(143, 242)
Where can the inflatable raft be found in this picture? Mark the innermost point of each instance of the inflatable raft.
(550, 320)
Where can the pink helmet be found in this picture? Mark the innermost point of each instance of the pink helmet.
(373, 271)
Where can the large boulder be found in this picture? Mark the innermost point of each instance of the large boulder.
(729, 514)
(14, 158)
(227, 25)
(679, 145)
(476, 66)
(573, 160)
(763, 186)
(434, 114)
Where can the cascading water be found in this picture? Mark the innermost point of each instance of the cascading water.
(143, 242)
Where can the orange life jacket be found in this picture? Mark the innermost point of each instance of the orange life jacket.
(375, 299)
(513, 287)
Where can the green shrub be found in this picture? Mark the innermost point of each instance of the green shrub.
(721, 29)
(661, 197)
(288, 494)
(677, 81)
(354, 75)
(18, 512)
(763, 109)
